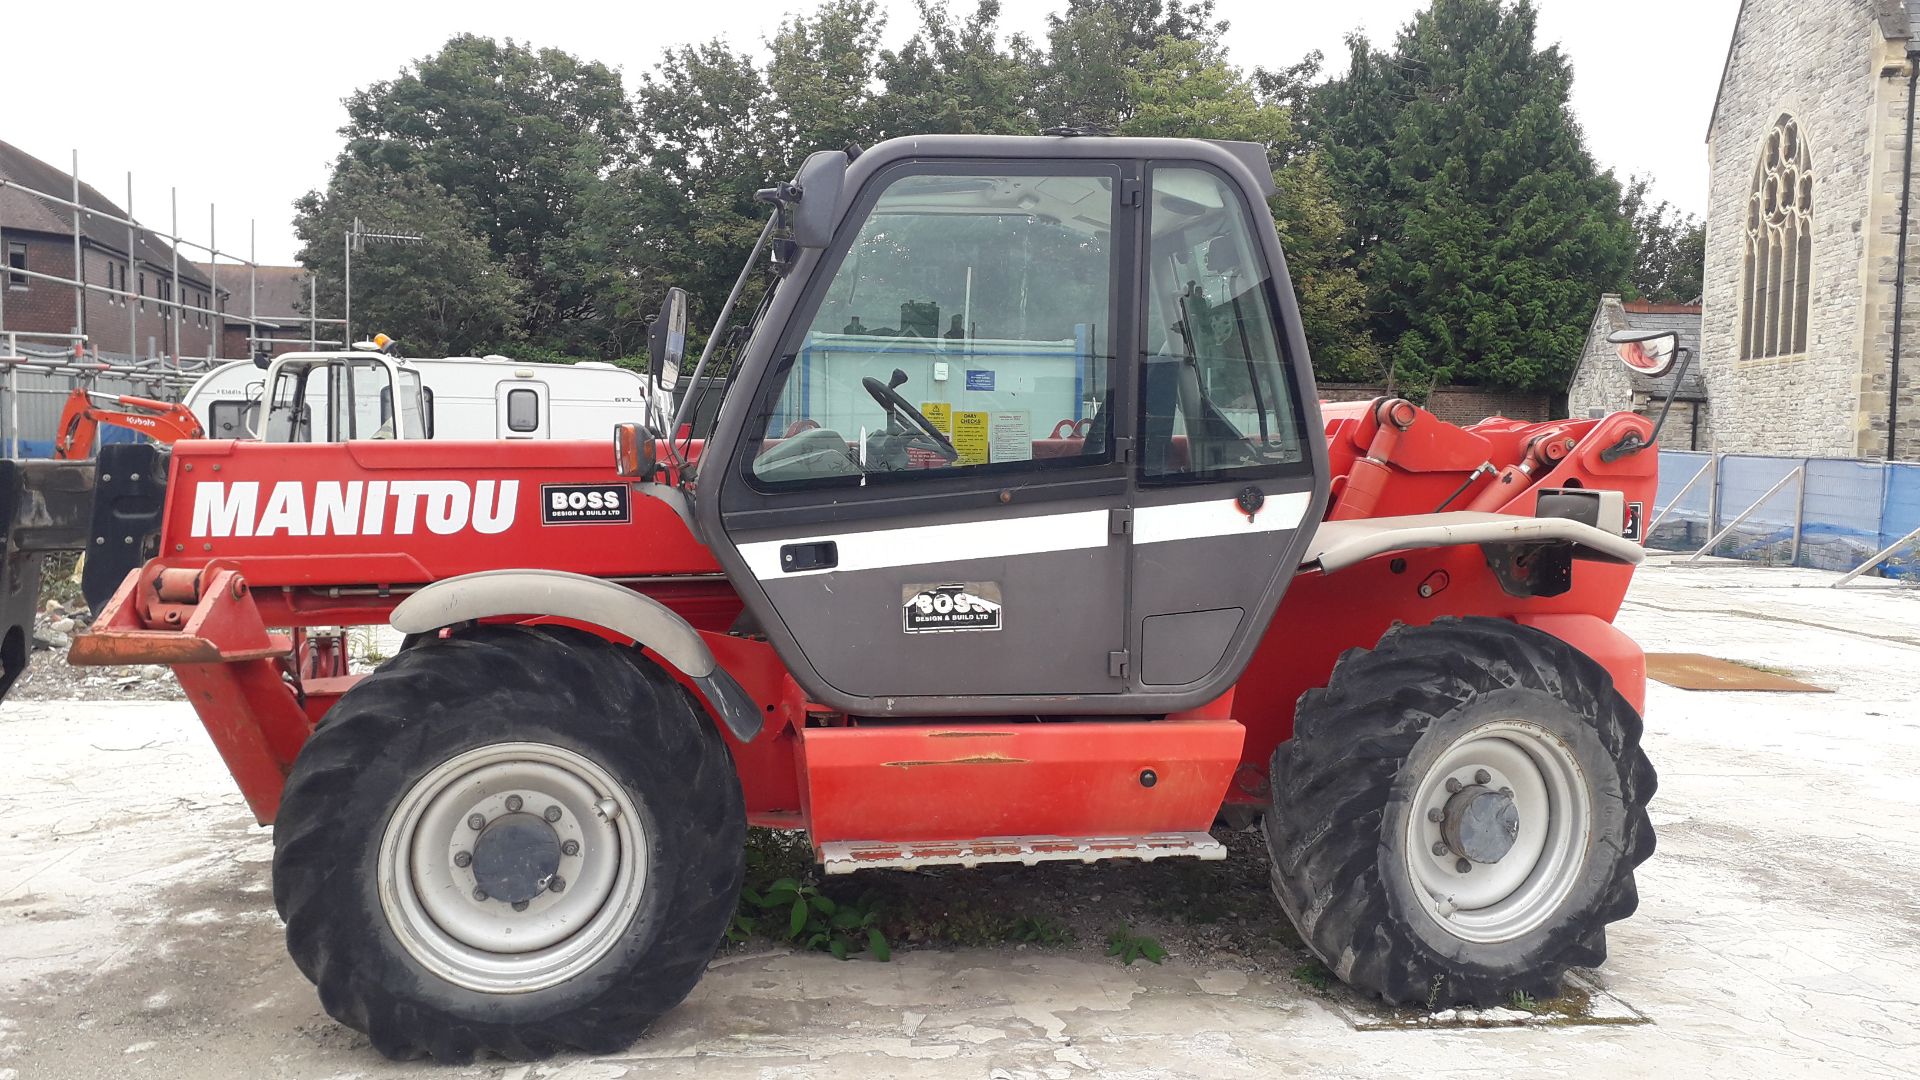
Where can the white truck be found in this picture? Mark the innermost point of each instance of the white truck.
(336, 396)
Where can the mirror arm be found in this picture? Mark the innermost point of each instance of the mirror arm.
(684, 414)
(1679, 373)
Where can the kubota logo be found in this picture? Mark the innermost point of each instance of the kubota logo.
(354, 507)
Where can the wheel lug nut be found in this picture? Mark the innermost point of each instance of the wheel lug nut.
(1483, 777)
(1453, 786)
(462, 859)
(558, 884)
(1439, 847)
(570, 847)
(480, 894)
(514, 803)
(477, 822)
(1463, 866)
(553, 813)
(519, 905)
(1436, 815)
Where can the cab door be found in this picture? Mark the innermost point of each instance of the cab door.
(926, 509)
(1225, 489)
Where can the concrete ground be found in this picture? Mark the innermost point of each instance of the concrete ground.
(1778, 933)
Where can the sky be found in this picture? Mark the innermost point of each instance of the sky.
(240, 112)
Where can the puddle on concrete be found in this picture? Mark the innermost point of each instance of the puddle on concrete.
(1584, 1004)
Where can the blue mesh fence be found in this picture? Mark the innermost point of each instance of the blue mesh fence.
(1835, 516)
(1900, 516)
(1681, 512)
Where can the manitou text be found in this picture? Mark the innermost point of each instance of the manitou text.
(354, 507)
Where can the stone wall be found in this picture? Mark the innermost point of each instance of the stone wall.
(1600, 381)
(1826, 63)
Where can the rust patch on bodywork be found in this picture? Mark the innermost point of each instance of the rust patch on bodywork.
(976, 759)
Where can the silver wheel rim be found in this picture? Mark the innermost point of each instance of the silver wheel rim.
(1486, 902)
(493, 945)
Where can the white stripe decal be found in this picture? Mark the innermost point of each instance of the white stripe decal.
(924, 544)
(1216, 517)
(995, 539)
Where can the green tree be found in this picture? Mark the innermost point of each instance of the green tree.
(952, 76)
(521, 138)
(706, 117)
(822, 71)
(444, 297)
(1184, 88)
(1483, 227)
(1085, 76)
(1672, 254)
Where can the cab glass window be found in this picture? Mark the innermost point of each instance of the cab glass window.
(967, 327)
(361, 393)
(295, 393)
(1217, 396)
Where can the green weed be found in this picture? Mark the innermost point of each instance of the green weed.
(1122, 942)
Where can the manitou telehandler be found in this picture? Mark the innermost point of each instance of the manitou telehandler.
(1018, 535)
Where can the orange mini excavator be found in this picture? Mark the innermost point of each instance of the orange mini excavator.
(165, 422)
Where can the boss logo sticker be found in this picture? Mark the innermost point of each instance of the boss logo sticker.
(973, 605)
(583, 504)
(1635, 512)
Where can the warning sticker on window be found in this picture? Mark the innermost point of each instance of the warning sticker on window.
(971, 605)
(583, 504)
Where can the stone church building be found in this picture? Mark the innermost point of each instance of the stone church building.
(1808, 150)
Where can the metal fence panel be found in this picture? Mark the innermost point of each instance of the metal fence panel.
(1900, 515)
(1767, 533)
(1682, 512)
(1841, 525)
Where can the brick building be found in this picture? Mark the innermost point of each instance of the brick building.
(1601, 384)
(274, 297)
(1807, 149)
(37, 236)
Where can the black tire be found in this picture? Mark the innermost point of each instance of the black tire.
(1344, 786)
(551, 685)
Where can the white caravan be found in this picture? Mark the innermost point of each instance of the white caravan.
(336, 396)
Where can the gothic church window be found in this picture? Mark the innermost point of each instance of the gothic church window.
(1779, 247)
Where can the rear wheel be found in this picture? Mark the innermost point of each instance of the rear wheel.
(1459, 813)
(515, 840)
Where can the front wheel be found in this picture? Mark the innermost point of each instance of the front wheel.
(1459, 813)
(515, 840)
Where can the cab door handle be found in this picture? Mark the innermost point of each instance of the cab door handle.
(816, 555)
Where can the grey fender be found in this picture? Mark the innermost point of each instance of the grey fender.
(1337, 545)
(494, 593)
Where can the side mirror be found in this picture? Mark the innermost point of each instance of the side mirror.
(1648, 352)
(261, 360)
(667, 342)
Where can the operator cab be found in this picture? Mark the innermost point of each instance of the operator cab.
(1018, 421)
(365, 394)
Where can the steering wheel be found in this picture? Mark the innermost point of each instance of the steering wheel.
(898, 411)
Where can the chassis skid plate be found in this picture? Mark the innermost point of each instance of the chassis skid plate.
(844, 857)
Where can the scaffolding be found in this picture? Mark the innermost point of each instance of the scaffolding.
(37, 370)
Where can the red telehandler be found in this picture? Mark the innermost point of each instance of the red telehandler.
(1018, 535)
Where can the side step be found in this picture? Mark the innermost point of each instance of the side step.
(846, 856)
